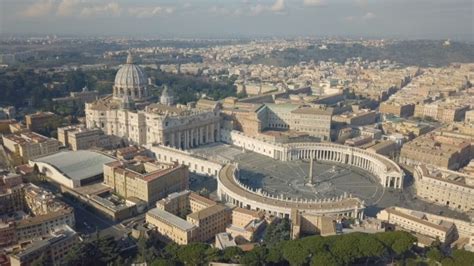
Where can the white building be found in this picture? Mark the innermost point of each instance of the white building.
(129, 114)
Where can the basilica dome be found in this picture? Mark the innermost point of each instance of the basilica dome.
(131, 81)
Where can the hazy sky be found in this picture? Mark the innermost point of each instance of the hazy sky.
(437, 19)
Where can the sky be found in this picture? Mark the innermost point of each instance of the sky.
(406, 19)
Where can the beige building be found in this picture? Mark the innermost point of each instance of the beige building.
(210, 221)
(357, 117)
(435, 149)
(386, 147)
(204, 218)
(12, 196)
(53, 247)
(469, 118)
(316, 121)
(171, 227)
(245, 224)
(444, 187)
(129, 115)
(252, 119)
(41, 225)
(81, 138)
(40, 120)
(44, 213)
(311, 224)
(398, 109)
(409, 129)
(420, 224)
(146, 180)
(444, 112)
(30, 145)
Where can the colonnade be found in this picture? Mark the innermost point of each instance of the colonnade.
(192, 137)
(230, 191)
(389, 173)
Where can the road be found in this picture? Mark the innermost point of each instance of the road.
(88, 221)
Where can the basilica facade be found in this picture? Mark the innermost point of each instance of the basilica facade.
(128, 113)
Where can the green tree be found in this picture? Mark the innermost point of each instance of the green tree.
(463, 257)
(276, 232)
(171, 251)
(193, 254)
(324, 258)
(294, 253)
(254, 257)
(213, 254)
(435, 254)
(232, 254)
(274, 255)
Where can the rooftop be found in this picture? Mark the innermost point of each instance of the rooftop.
(171, 219)
(77, 165)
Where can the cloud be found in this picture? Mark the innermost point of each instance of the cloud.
(68, 7)
(219, 10)
(369, 16)
(278, 6)
(314, 3)
(361, 2)
(38, 9)
(148, 12)
(365, 17)
(350, 18)
(110, 9)
(257, 9)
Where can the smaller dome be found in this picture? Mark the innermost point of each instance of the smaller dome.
(166, 97)
(165, 92)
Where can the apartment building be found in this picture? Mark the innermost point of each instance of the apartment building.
(54, 247)
(204, 218)
(40, 120)
(419, 224)
(437, 150)
(146, 180)
(29, 145)
(445, 187)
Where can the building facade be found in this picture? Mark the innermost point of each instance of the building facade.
(128, 114)
(29, 145)
(148, 181)
(445, 187)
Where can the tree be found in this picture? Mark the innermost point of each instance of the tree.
(213, 254)
(276, 232)
(324, 258)
(294, 253)
(163, 262)
(171, 251)
(369, 246)
(274, 255)
(254, 257)
(193, 254)
(232, 254)
(463, 257)
(146, 251)
(434, 254)
(100, 251)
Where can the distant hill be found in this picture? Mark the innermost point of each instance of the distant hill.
(411, 53)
